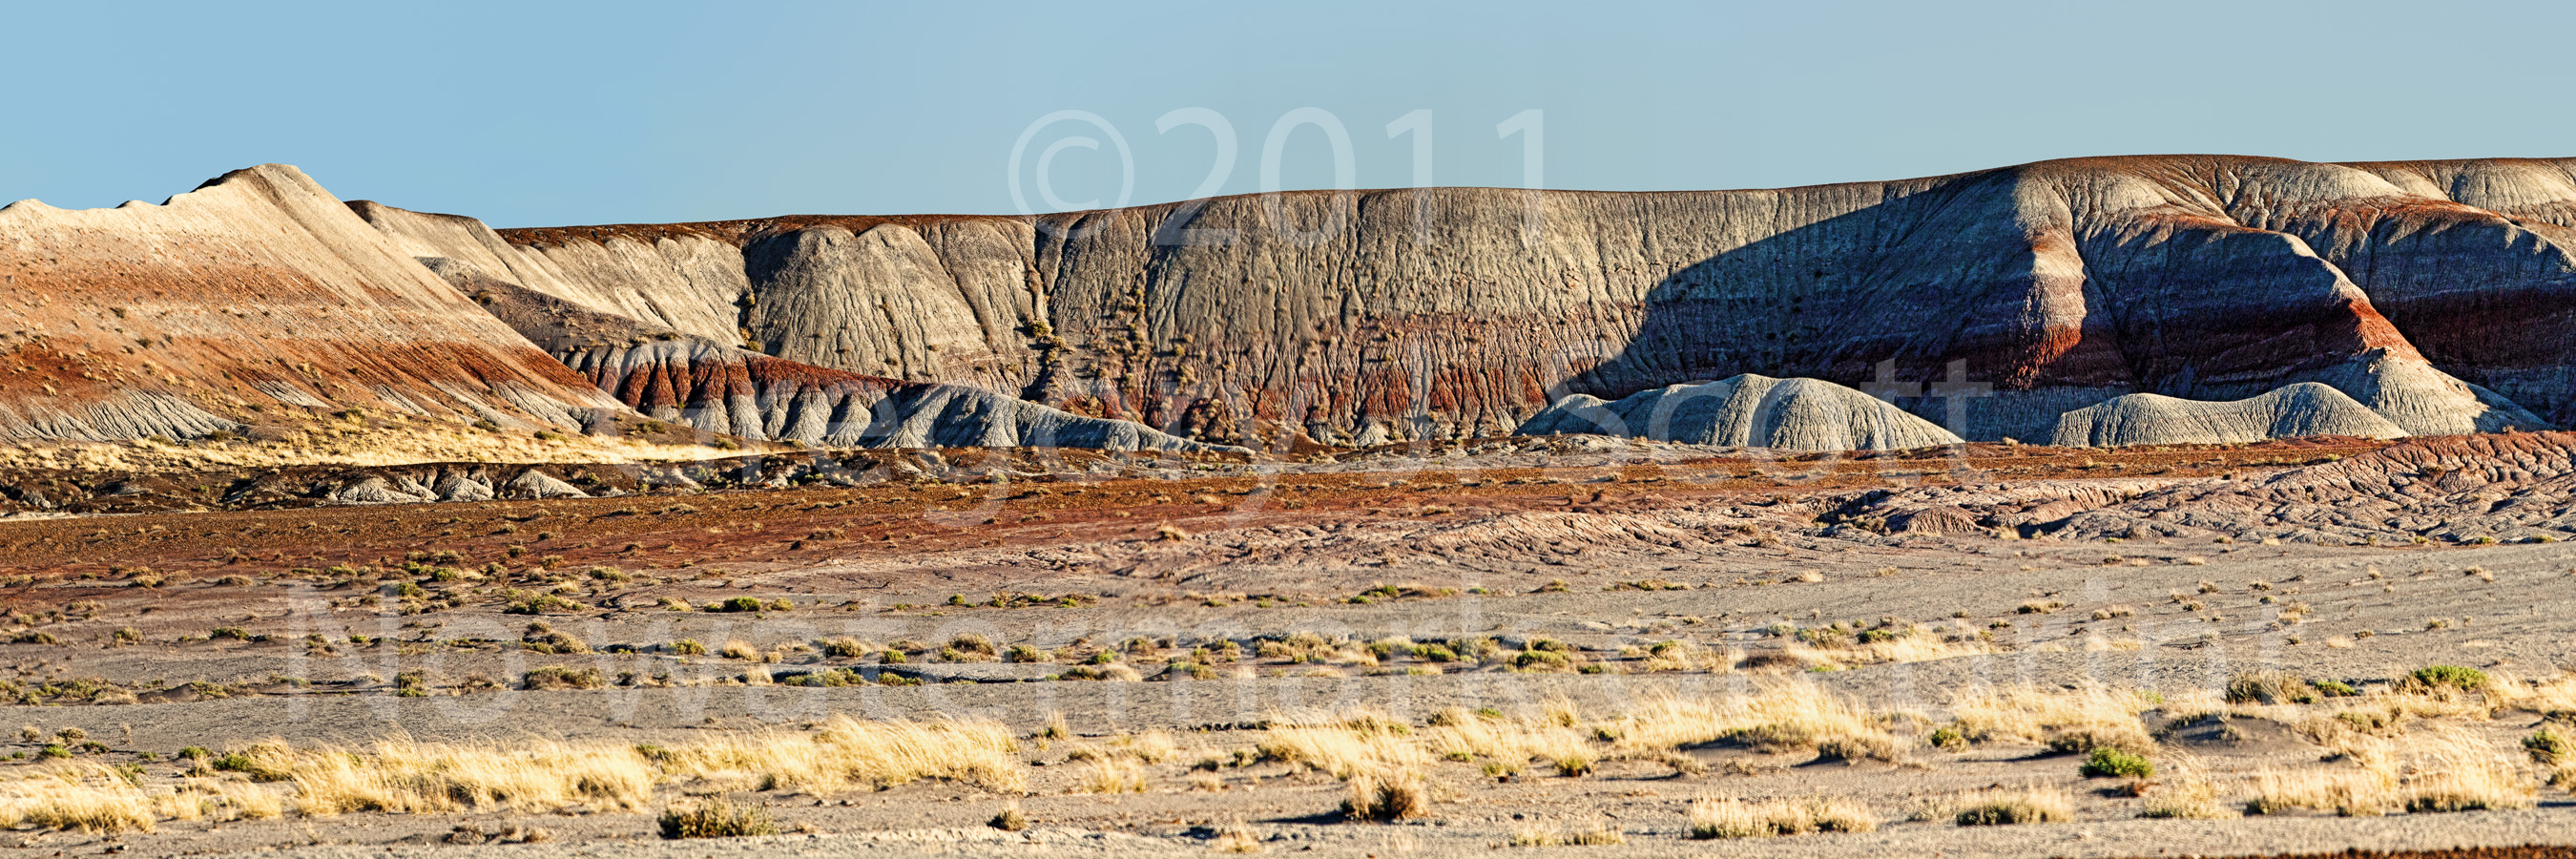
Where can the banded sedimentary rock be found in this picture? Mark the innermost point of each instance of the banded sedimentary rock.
(2434, 292)
(254, 298)
(710, 385)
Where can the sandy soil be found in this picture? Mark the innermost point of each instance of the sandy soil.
(307, 625)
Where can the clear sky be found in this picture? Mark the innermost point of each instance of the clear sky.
(543, 113)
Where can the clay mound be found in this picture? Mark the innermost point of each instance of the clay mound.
(2303, 409)
(708, 385)
(257, 299)
(2425, 401)
(1747, 411)
(1357, 317)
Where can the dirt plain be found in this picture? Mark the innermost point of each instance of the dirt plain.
(1532, 583)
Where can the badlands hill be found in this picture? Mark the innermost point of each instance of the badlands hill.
(1746, 411)
(2293, 411)
(2434, 293)
(254, 302)
(718, 387)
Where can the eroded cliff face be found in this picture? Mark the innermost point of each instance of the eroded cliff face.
(1382, 315)
(257, 299)
(716, 387)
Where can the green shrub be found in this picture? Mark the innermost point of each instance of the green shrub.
(2459, 677)
(2547, 747)
(686, 647)
(738, 604)
(2112, 763)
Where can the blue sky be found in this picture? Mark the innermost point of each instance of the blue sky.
(558, 113)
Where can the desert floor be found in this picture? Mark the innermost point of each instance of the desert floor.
(1530, 649)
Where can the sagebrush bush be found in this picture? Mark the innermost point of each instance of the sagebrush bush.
(716, 819)
(2269, 687)
(560, 677)
(2458, 677)
(2114, 763)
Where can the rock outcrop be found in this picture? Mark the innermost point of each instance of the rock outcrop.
(2303, 409)
(675, 376)
(1351, 316)
(256, 299)
(1746, 411)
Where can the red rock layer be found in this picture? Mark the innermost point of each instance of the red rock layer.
(250, 299)
(1393, 314)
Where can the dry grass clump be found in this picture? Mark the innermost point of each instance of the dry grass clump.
(845, 753)
(2012, 806)
(1235, 837)
(80, 797)
(1508, 745)
(1387, 795)
(1112, 774)
(1686, 656)
(2346, 792)
(1595, 836)
(1346, 745)
(405, 776)
(2185, 793)
(2455, 772)
(2445, 770)
(1795, 715)
(2077, 720)
(88, 797)
(1152, 747)
(716, 819)
(2551, 697)
(1727, 817)
(1843, 646)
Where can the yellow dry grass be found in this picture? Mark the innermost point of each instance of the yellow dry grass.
(1112, 774)
(2453, 771)
(81, 797)
(1506, 745)
(2009, 806)
(1346, 745)
(2345, 791)
(1728, 817)
(1787, 715)
(2555, 695)
(2183, 792)
(2069, 720)
(404, 776)
(2444, 769)
(844, 753)
(1919, 644)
